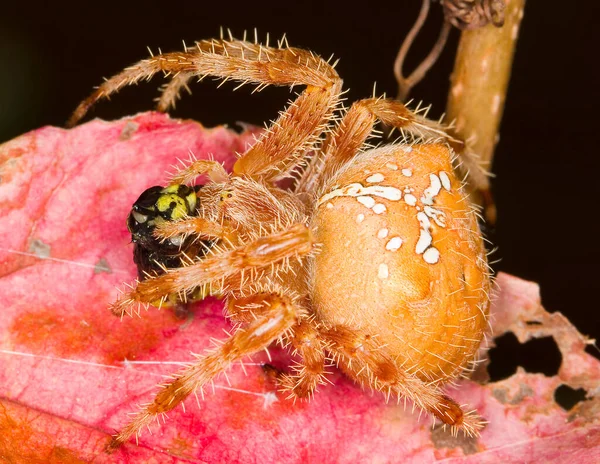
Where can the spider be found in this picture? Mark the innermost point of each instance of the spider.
(372, 260)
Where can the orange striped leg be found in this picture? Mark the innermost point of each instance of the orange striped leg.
(295, 241)
(256, 336)
(362, 359)
(297, 128)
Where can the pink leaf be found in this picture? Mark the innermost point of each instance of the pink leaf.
(71, 372)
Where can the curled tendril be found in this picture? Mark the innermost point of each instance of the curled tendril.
(463, 14)
(472, 14)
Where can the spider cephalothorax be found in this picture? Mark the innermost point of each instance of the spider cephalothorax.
(372, 260)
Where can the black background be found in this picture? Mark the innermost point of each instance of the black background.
(547, 168)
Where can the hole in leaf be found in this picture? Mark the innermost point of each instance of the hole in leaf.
(567, 397)
(593, 350)
(538, 355)
(530, 323)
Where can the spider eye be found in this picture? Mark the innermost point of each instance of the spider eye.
(226, 195)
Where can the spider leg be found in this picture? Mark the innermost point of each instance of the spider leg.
(357, 126)
(217, 266)
(197, 226)
(303, 336)
(170, 92)
(367, 362)
(298, 127)
(213, 169)
(310, 372)
(469, 166)
(278, 316)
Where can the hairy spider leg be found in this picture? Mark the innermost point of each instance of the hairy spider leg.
(197, 226)
(470, 167)
(279, 316)
(296, 130)
(367, 362)
(309, 372)
(304, 339)
(295, 241)
(188, 174)
(171, 91)
(357, 126)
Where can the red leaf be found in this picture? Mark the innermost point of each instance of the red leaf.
(71, 371)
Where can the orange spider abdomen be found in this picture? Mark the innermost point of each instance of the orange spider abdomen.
(403, 259)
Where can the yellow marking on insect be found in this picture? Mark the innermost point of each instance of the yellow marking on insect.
(171, 189)
(171, 200)
(192, 199)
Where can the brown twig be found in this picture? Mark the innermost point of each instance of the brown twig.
(479, 83)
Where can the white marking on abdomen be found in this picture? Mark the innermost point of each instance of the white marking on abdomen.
(496, 103)
(445, 180)
(379, 208)
(393, 244)
(369, 202)
(375, 178)
(431, 255)
(357, 190)
(410, 199)
(424, 237)
(383, 271)
(438, 216)
(432, 191)
(383, 233)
